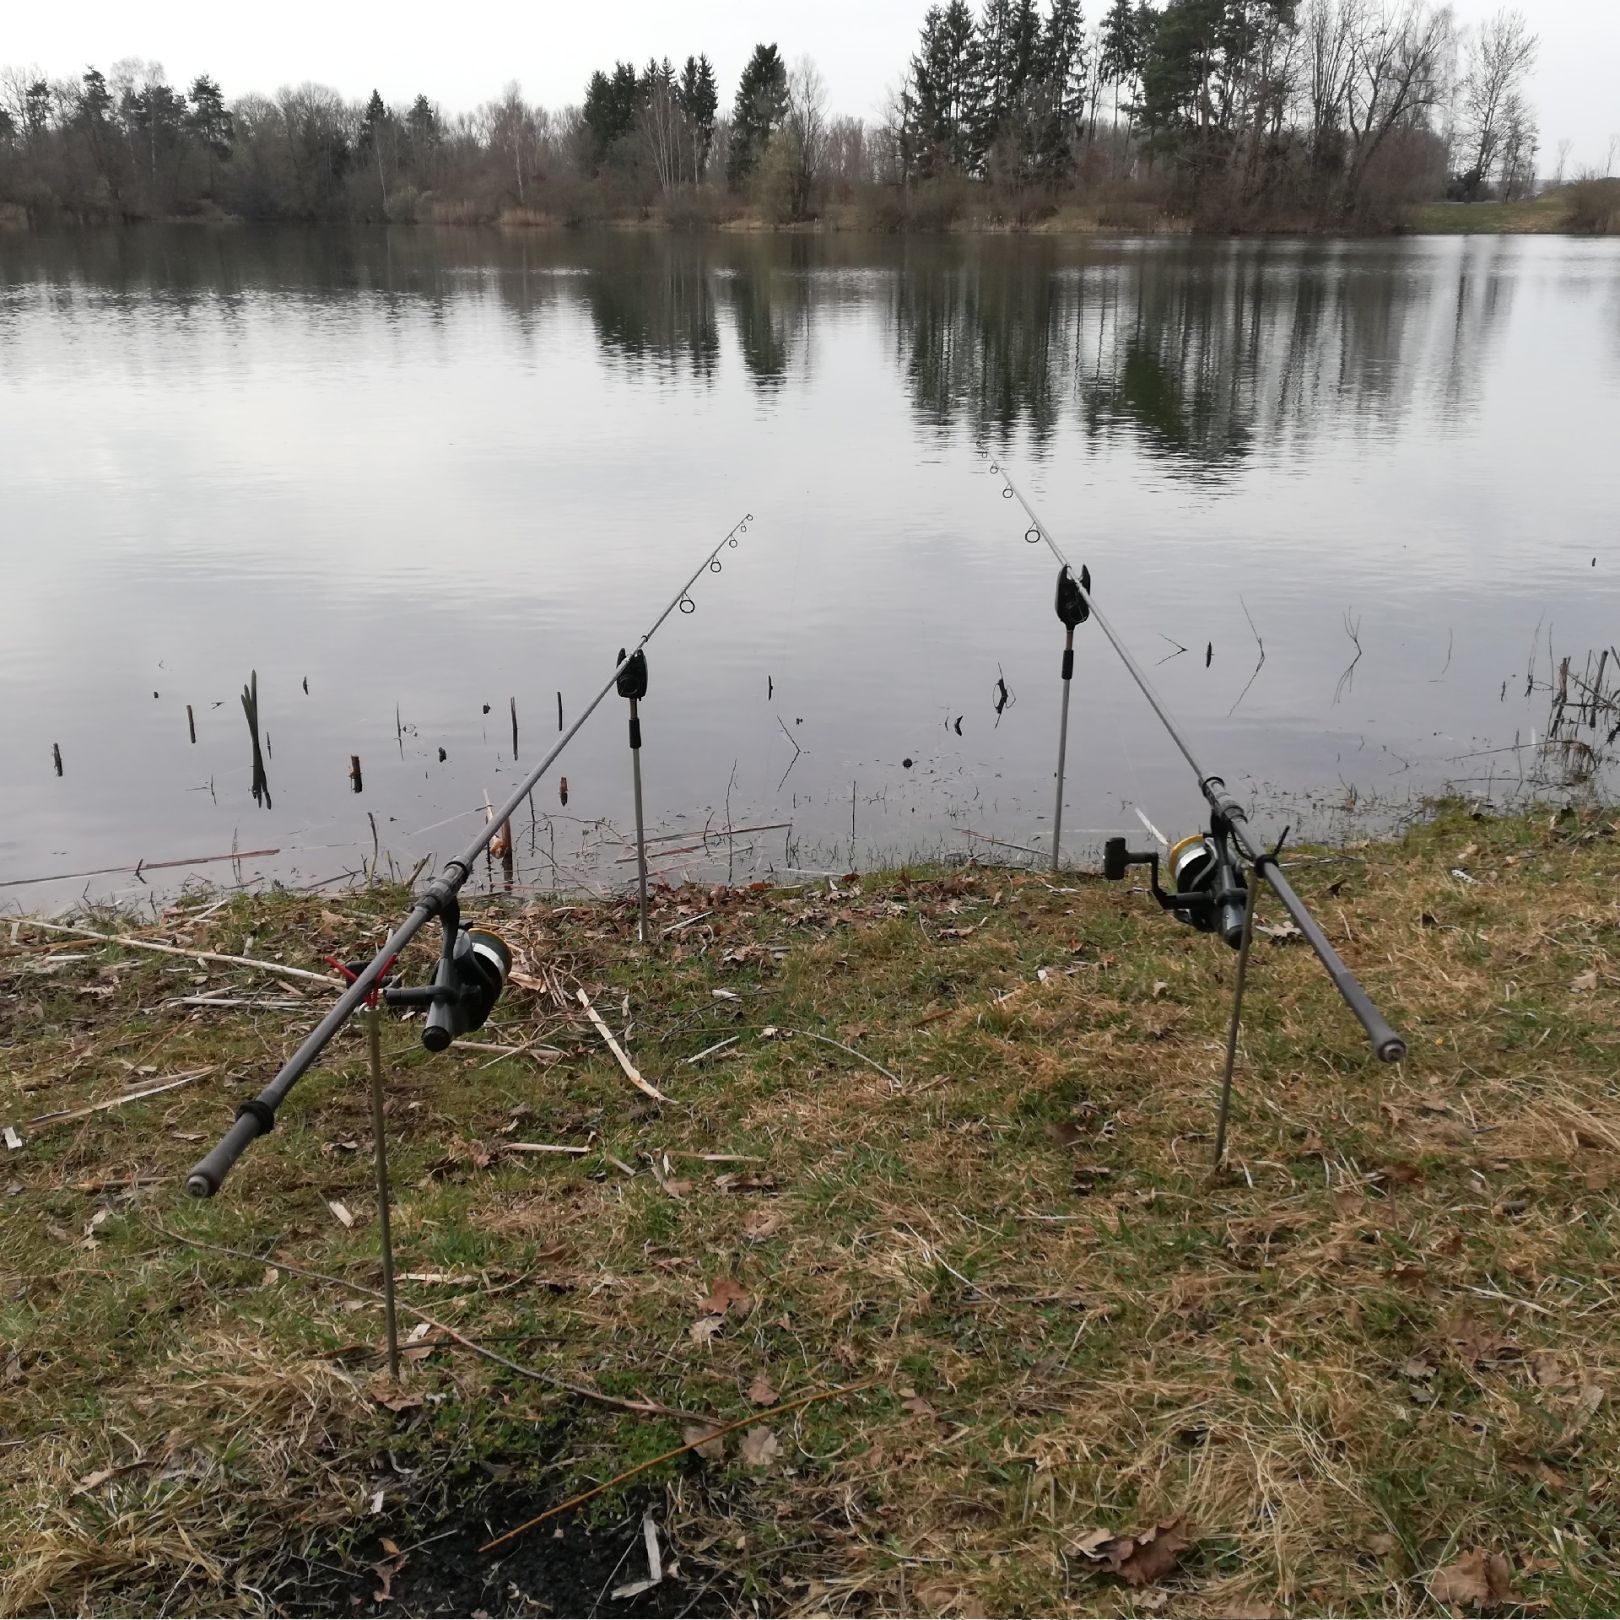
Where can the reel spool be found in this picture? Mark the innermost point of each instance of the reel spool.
(1196, 869)
(1211, 893)
(473, 974)
(469, 979)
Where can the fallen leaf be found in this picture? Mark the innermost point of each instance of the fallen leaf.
(394, 1397)
(762, 1224)
(1478, 1578)
(1147, 1556)
(759, 1448)
(1584, 981)
(704, 1329)
(1382, 1545)
(342, 1213)
(709, 1443)
(762, 1392)
(742, 1181)
(1583, 1409)
(386, 1569)
(917, 1406)
(725, 1294)
(91, 1481)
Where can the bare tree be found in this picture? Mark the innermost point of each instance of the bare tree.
(509, 125)
(1398, 73)
(804, 134)
(1614, 152)
(1565, 147)
(1501, 55)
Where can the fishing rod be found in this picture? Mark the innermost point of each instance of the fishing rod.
(1211, 891)
(473, 965)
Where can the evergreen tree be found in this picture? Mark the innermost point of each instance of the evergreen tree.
(761, 105)
(942, 92)
(8, 127)
(37, 108)
(423, 125)
(1121, 48)
(95, 100)
(610, 109)
(210, 119)
(699, 99)
(1060, 101)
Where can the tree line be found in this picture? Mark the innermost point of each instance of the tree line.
(1244, 113)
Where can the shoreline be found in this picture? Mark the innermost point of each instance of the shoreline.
(945, 1131)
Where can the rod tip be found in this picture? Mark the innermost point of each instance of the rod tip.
(199, 1186)
(1392, 1050)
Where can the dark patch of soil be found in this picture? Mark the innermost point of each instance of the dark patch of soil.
(568, 1566)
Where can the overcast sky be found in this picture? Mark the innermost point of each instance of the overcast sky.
(462, 58)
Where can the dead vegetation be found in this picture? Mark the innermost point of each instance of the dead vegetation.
(948, 1132)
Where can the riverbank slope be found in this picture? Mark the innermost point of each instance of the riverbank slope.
(943, 1137)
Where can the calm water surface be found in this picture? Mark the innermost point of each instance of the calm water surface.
(427, 473)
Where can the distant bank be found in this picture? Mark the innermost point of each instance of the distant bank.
(1583, 208)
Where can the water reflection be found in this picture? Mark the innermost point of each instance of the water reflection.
(320, 452)
(1204, 352)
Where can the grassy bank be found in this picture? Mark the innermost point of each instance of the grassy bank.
(1586, 208)
(1370, 1369)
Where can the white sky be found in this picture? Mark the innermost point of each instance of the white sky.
(462, 58)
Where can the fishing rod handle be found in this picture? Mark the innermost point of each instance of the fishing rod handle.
(1389, 1046)
(209, 1173)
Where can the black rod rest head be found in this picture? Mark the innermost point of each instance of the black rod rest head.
(632, 677)
(1072, 606)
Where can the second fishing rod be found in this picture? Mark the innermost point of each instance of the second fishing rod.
(472, 967)
(1221, 901)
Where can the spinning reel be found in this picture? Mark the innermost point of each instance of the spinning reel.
(467, 982)
(1211, 893)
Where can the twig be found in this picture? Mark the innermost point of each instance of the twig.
(680, 1451)
(1000, 843)
(118, 1102)
(686, 922)
(632, 1073)
(827, 1040)
(139, 867)
(709, 1051)
(1352, 628)
(177, 950)
(584, 1391)
(545, 1147)
(1258, 667)
(797, 750)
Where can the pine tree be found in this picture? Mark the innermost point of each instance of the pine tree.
(422, 122)
(1060, 100)
(761, 105)
(699, 99)
(210, 119)
(1121, 48)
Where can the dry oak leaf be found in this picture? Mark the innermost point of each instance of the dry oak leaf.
(762, 1224)
(726, 1293)
(1584, 981)
(1479, 1578)
(762, 1392)
(704, 1329)
(759, 1447)
(705, 1441)
(1145, 1557)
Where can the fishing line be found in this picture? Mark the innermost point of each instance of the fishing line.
(475, 959)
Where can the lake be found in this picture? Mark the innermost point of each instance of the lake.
(408, 477)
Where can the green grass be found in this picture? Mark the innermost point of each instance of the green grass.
(1014, 1229)
(1547, 213)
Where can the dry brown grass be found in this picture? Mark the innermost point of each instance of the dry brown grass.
(1384, 1339)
